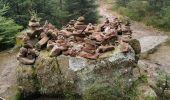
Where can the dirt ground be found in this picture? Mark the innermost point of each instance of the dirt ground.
(8, 64)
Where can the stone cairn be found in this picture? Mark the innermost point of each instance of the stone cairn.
(74, 39)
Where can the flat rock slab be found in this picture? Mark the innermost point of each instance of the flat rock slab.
(151, 42)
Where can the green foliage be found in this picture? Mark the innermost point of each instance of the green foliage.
(122, 2)
(163, 84)
(149, 98)
(152, 12)
(17, 96)
(163, 79)
(46, 9)
(85, 8)
(8, 30)
(58, 12)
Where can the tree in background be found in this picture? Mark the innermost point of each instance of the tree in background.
(8, 29)
(152, 12)
(122, 2)
(86, 8)
(46, 9)
(58, 12)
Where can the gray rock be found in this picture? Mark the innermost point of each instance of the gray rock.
(149, 43)
(78, 75)
(76, 64)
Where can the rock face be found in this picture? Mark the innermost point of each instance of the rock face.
(75, 75)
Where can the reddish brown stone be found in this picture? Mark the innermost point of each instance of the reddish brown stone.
(70, 52)
(22, 52)
(106, 48)
(79, 39)
(80, 27)
(56, 51)
(89, 48)
(65, 33)
(76, 38)
(42, 42)
(88, 55)
(78, 33)
(98, 36)
(89, 29)
(124, 47)
(69, 28)
(50, 45)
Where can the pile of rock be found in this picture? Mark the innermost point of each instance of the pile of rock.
(28, 53)
(75, 39)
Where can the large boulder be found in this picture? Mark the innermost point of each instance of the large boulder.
(107, 78)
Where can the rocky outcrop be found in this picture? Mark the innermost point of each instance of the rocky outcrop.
(75, 39)
(85, 61)
(77, 75)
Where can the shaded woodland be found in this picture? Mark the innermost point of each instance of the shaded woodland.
(14, 15)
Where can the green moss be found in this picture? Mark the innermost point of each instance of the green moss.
(110, 53)
(71, 95)
(168, 41)
(142, 79)
(149, 98)
(25, 78)
(98, 90)
(17, 96)
(44, 54)
(135, 44)
(116, 88)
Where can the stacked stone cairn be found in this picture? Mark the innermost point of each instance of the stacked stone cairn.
(75, 39)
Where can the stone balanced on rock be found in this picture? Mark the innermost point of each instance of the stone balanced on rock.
(75, 39)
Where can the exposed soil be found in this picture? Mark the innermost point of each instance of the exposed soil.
(8, 64)
(162, 57)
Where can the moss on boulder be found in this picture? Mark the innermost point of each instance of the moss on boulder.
(108, 77)
(48, 74)
(26, 79)
(135, 44)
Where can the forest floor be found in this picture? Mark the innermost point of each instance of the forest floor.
(159, 59)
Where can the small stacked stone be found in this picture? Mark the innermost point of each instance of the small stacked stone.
(80, 25)
(35, 38)
(75, 39)
(34, 26)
